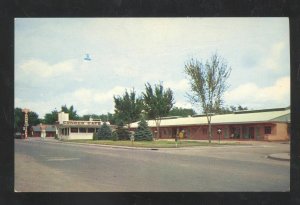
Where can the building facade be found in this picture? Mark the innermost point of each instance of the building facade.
(267, 124)
(74, 129)
(42, 130)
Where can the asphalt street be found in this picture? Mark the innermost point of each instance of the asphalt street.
(46, 166)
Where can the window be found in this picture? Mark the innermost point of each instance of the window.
(188, 133)
(82, 130)
(268, 130)
(90, 130)
(74, 129)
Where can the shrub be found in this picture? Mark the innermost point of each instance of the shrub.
(104, 132)
(143, 133)
(95, 136)
(114, 136)
(122, 132)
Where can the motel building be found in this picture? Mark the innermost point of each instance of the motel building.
(262, 125)
(75, 129)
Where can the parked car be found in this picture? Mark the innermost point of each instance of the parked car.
(19, 135)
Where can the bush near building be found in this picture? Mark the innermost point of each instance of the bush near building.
(143, 133)
(104, 133)
(122, 132)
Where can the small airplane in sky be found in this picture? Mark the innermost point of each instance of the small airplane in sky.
(87, 57)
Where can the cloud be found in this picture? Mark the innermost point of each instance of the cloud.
(180, 85)
(252, 96)
(276, 54)
(39, 68)
(130, 52)
(108, 95)
(84, 100)
(83, 95)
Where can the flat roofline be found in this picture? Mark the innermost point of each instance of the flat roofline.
(228, 123)
(245, 111)
(262, 110)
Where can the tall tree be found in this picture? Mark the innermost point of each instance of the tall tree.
(230, 109)
(128, 107)
(208, 84)
(157, 103)
(33, 119)
(72, 112)
(51, 118)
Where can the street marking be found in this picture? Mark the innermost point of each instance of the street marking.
(62, 159)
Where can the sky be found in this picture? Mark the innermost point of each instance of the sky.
(126, 53)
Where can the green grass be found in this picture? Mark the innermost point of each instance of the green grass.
(152, 144)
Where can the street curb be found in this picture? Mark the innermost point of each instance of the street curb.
(107, 146)
(137, 148)
(272, 156)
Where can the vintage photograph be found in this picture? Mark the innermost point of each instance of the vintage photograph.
(152, 104)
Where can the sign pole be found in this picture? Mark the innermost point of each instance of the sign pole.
(26, 111)
(219, 132)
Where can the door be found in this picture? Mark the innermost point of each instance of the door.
(251, 132)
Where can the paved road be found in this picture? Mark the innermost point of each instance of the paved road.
(44, 166)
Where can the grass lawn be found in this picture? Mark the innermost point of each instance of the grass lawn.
(153, 144)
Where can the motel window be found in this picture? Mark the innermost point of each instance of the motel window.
(74, 129)
(82, 130)
(268, 130)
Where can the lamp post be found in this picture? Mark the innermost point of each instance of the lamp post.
(219, 132)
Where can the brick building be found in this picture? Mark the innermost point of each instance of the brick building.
(267, 124)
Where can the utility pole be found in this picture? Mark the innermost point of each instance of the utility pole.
(26, 111)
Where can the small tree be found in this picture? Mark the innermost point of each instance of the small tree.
(122, 132)
(208, 84)
(104, 132)
(143, 133)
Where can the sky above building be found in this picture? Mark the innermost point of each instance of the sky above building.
(126, 53)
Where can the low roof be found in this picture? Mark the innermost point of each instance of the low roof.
(243, 117)
(49, 128)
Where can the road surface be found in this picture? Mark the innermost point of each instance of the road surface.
(48, 166)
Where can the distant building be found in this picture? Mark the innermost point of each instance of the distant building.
(76, 129)
(42, 130)
(267, 124)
